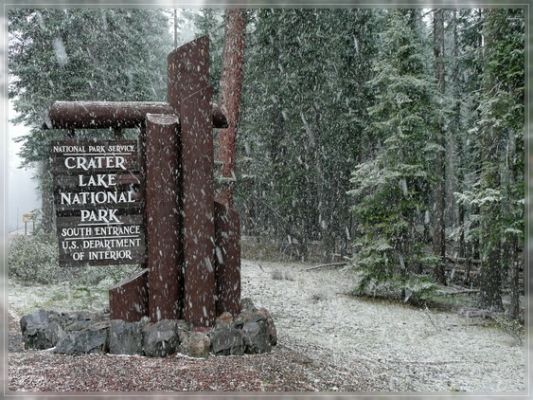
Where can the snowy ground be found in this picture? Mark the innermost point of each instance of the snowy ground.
(327, 341)
(399, 347)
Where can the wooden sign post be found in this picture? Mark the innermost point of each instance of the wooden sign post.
(102, 188)
(97, 202)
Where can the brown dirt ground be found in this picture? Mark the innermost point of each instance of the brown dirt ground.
(282, 370)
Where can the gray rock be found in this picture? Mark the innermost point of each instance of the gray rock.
(271, 328)
(93, 339)
(224, 320)
(184, 330)
(183, 326)
(248, 316)
(226, 341)
(71, 326)
(125, 337)
(195, 344)
(160, 338)
(247, 304)
(41, 329)
(256, 338)
(71, 317)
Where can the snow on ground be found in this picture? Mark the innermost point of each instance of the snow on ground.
(400, 347)
(346, 343)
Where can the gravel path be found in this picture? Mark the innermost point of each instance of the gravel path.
(395, 348)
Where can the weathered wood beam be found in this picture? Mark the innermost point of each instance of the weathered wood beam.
(190, 95)
(112, 114)
(162, 216)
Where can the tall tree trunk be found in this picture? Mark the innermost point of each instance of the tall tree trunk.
(490, 212)
(474, 163)
(490, 274)
(510, 253)
(230, 94)
(457, 85)
(439, 234)
(514, 307)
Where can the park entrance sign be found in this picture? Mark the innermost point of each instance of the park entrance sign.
(150, 201)
(98, 202)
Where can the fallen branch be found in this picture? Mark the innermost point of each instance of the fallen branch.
(330, 265)
(465, 325)
(465, 291)
(452, 293)
(346, 256)
(471, 312)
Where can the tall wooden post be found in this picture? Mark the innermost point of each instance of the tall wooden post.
(179, 216)
(227, 259)
(162, 216)
(189, 93)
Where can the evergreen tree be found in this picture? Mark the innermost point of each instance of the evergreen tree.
(210, 22)
(439, 229)
(81, 54)
(466, 82)
(500, 127)
(390, 187)
(304, 109)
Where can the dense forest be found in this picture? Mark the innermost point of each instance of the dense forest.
(393, 138)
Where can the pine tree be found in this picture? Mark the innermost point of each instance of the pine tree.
(303, 113)
(439, 229)
(80, 54)
(390, 187)
(501, 125)
(466, 93)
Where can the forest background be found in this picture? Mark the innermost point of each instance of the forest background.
(390, 138)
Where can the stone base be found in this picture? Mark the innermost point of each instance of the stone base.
(252, 331)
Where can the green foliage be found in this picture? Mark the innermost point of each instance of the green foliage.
(210, 22)
(413, 290)
(390, 188)
(304, 108)
(80, 54)
(34, 258)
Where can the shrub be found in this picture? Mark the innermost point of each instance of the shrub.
(279, 275)
(413, 290)
(34, 258)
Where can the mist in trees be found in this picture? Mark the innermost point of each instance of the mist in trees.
(80, 54)
(394, 137)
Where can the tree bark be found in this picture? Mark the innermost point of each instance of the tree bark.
(457, 83)
(490, 213)
(230, 94)
(439, 236)
(514, 307)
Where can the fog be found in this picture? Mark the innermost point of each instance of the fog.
(22, 195)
